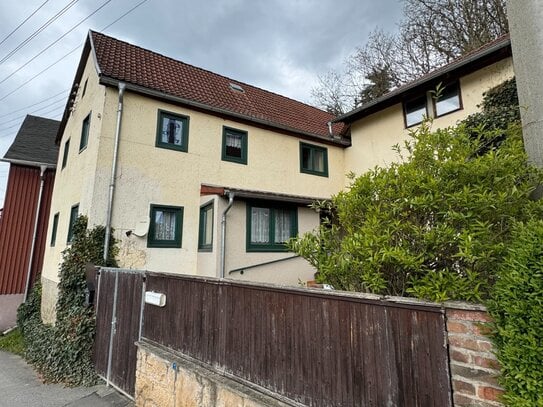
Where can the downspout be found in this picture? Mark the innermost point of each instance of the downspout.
(122, 87)
(35, 232)
(223, 232)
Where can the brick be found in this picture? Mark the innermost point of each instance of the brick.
(472, 374)
(463, 315)
(463, 387)
(489, 393)
(459, 356)
(457, 327)
(463, 401)
(464, 342)
(487, 362)
(482, 329)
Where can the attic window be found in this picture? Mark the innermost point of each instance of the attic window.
(236, 87)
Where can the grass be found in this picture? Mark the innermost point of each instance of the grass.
(12, 342)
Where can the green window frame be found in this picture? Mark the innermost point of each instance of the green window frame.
(234, 145)
(313, 159)
(266, 222)
(74, 213)
(172, 131)
(205, 235)
(165, 227)
(54, 229)
(85, 128)
(65, 153)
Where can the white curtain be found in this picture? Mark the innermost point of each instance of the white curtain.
(233, 140)
(282, 225)
(260, 225)
(171, 131)
(164, 225)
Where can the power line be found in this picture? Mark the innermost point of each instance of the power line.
(24, 21)
(34, 104)
(66, 55)
(57, 40)
(38, 31)
(56, 102)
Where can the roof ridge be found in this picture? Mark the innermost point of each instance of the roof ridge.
(210, 72)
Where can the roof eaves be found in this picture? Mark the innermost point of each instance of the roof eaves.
(108, 81)
(266, 195)
(500, 44)
(28, 163)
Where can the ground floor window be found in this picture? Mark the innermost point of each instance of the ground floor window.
(165, 228)
(269, 226)
(205, 237)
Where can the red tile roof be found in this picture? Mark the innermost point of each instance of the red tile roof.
(125, 62)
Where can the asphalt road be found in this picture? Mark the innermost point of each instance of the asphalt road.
(21, 386)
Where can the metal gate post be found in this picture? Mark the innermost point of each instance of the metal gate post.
(142, 305)
(113, 329)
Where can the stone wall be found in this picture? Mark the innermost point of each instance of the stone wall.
(167, 379)
(474, 368)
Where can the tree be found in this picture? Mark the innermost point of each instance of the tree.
(431, 34)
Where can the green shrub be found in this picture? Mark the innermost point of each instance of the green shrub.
(516, 306)
(63, 352)
(433, 226)
(12, 342)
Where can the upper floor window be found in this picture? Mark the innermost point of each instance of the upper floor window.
(85, 133)
(313, 159)
(54, 229)
(74, 213)
(84, 88)
(415, 110)
(65, 153)
(234, 145)
(165, 229)
(448, 100)
(172, 131)
(269, 226)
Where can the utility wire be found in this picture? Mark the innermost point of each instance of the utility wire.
(66, 55)
(57, 40)
(56, 102)
(25, 20)
(38, 31)
(34, 104)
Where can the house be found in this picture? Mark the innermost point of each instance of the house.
(23, 229)
(386, 121)
(202, 174)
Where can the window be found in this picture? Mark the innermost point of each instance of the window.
(65, 154)
(84, 88)
(449, 100)
(74, 213)
(234, 145)
(205, 237)
(85, 133)
(54, 229)
(415, 110)
(313, 160)
(270, 226)
(166, 225)
(172, 131)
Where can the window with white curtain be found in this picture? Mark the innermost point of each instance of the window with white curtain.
(172, 132)
(313, 159)
(234, 145)
(270, 226)
(165, 228)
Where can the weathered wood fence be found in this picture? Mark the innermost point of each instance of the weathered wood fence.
(316, 348)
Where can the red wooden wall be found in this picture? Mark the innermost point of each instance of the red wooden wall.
(17, 226)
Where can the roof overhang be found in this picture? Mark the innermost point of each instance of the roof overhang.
(28, 163)
(259, 195)
(488, 55)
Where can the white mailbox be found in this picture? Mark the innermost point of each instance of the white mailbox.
(153, 298)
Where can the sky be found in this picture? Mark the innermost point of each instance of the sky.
(278, 45)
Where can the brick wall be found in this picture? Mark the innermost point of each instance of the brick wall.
(474, 368)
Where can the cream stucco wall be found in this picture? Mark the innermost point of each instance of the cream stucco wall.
(374, 136)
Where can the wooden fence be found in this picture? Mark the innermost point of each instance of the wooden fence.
(316, 348)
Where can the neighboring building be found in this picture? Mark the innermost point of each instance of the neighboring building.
(190, 140)
(23, 229)
(375, 127)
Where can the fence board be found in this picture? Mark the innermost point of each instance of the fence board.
(315, 348)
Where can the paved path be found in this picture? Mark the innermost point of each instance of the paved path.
(20, 386)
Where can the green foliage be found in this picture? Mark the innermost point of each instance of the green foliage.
(517, 309)
(433, 226)
(12, 342)
(499, 108)
(63, 352)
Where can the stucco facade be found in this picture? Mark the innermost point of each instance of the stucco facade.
(373, 137)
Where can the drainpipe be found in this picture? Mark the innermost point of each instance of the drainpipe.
(122, 87)
(223, 232)
(35, 232)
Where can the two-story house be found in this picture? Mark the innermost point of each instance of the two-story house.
(201, 174)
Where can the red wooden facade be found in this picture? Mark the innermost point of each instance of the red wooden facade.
(17, 226)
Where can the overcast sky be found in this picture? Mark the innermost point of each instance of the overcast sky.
(278, 45)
